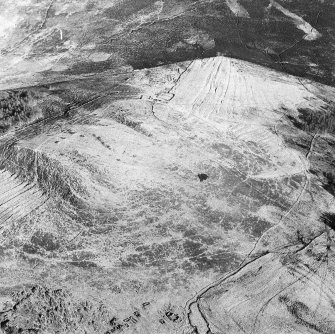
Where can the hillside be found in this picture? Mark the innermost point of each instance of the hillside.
(177, 183)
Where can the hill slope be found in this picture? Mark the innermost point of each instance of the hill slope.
(177, 198)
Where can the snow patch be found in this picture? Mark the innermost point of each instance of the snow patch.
(7, 23)
(301, 24)
(237, 8)
(99, 56)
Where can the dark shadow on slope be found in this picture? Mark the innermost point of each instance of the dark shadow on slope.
(321, 120)
(330, 182)
(328, 218)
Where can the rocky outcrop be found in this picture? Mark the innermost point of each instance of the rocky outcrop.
(39, 309)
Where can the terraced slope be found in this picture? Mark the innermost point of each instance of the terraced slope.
(17, 198)
(172, 205)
